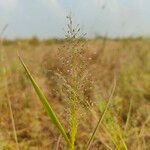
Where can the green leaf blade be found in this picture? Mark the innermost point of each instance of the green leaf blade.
(45, 104)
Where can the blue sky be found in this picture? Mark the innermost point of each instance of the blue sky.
(46, 18)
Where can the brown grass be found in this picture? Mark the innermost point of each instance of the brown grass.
(128, 59)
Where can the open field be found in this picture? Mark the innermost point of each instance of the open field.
(97, 63)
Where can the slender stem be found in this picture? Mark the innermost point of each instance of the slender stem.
(73, 128)
(9, 105)
(58, 143)
(12, 120)
(101, 118)
(128, 117)
(123, 142)
(7, 93)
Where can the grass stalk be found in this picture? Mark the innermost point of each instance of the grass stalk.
(4, 71)
(12, 118)
(73, 128)
(101, 118)
(128, 116)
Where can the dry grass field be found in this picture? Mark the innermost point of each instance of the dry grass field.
(92, 68)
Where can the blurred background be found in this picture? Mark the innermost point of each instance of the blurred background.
(116, 47)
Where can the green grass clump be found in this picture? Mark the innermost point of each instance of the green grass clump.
(112, 128)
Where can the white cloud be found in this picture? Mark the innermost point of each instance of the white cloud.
(7, 4)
